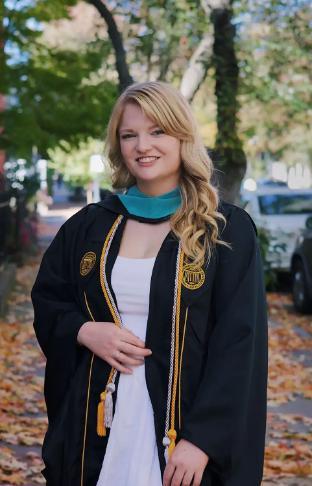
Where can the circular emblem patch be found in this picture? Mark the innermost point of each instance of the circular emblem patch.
(87, 263)
(193, 277)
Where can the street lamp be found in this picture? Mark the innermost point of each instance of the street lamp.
(42, 167)
(96, 167)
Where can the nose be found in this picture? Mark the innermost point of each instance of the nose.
(143, 143)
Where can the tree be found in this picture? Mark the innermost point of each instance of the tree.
(121, 65)
(52, 94)
(232, 161)
(215, 49)
(188, 43)
(274, 49)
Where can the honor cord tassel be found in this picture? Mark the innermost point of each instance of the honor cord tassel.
(101, 430)
(108, 415)
(108, 405)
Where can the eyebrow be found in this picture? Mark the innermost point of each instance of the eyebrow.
(131, 129)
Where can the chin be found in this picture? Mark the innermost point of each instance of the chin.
(145, 176)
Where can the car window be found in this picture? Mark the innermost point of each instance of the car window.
(285, 203)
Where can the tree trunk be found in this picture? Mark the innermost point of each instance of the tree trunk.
(201, 59)
(232, 161)
(219, 50)
(199, 64)
(125, 78)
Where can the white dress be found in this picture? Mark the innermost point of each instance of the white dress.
(131, 457)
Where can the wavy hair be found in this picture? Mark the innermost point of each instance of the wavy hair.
(195, 223)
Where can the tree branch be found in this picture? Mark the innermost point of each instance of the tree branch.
(197, 68)
(201, 59)
(125, 78)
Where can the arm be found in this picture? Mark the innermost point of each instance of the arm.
(62, 328)
(57, 314)
(227, 420)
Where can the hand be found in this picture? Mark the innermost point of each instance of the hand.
(117, 346)
(186, 464)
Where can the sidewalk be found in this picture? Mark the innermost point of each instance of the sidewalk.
(51, 223)
(23, 419)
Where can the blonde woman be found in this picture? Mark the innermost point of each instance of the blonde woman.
(150, 309)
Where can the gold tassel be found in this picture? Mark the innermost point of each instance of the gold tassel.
(172, 434)
(101, 429)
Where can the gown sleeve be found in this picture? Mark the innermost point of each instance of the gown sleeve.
(57, 314)
(228, 417)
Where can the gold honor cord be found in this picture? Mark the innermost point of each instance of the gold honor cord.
(172, 434)
(105, 406)
(87, 404)
(180, 369)
(170, 431)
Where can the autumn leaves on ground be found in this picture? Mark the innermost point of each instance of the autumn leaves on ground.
(23, 421)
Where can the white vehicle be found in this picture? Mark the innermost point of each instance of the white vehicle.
(282, 212)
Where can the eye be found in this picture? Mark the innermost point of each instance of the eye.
(159, 131)
(127, 135)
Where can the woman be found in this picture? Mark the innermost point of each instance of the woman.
(150, 309)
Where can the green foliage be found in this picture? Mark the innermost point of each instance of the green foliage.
(74, 162)
(54, 94)
(56, 102)
(60, 93)
(274, 48)
(270, 279)
(269, 247)
(161, 36)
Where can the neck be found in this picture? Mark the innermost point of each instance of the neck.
(152, 189)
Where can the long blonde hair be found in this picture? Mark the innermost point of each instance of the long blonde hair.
(196, 222)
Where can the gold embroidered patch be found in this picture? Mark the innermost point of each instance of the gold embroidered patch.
(87, 263)
(193, 277)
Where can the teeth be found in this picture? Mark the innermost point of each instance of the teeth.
(146, 159)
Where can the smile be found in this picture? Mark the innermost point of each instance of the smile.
(146, 160)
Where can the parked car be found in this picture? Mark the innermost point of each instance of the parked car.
(301, 270)
(267, 182)
(282, 213)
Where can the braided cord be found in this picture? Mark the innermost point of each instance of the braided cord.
(177, 334)
(104, 284)
(174, 346)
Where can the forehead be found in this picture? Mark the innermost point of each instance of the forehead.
(133, 115)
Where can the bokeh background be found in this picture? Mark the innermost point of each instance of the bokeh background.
(245, 67)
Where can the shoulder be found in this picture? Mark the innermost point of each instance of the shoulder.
(240, 233)
(92, 221)
(84, 215)
(237, 220)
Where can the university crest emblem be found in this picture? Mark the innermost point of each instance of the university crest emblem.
(193, 277)
(87, 263)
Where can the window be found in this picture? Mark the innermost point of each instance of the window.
(285, 204)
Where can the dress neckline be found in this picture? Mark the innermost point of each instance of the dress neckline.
(136, 259)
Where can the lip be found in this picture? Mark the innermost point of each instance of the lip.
(147, 164)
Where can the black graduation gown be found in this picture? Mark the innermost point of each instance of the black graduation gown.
(222, 399)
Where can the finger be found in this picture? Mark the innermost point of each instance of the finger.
(169, 471)
(128, 360)
(178, 476)
(134, 350)
(187, 479)
(120, 367)
(197, 478)
(129, 337)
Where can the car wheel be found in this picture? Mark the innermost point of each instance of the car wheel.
(301, 299)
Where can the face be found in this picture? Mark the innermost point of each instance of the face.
(151, 156)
